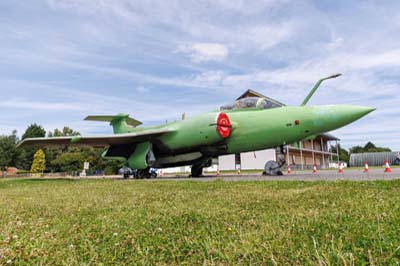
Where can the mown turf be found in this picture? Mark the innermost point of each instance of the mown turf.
(103, 222)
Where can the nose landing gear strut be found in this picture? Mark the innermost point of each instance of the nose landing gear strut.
(274, 167)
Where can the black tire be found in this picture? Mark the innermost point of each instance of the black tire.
(143, 173)
(197, 171)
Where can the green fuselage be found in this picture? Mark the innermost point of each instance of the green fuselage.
(193, 140)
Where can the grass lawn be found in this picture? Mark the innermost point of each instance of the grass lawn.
(92, 222)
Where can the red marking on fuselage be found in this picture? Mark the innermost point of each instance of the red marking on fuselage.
(223, 125)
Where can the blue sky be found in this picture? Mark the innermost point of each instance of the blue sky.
(64, 59)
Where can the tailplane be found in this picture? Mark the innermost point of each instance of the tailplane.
(121, 122)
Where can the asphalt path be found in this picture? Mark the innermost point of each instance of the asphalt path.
(327, 175)
(324, 175)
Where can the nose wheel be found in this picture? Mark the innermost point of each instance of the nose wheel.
(274, 167)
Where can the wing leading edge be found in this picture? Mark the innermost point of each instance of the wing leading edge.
(96, 141)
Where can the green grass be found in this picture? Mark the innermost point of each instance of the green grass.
(104, 222)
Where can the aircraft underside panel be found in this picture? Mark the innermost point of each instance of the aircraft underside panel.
(121, 150)
(180, 159)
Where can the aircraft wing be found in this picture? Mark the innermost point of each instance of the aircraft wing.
(96, 141)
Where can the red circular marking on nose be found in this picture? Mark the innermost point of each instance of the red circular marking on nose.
(296, 122)
(223, 125)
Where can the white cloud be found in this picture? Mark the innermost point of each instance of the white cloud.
(203, 52)
(33, 105)
(267, 36)
(335, 43)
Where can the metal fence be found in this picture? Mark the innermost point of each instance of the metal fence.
(373, 158)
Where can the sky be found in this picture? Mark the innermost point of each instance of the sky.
(64, 59)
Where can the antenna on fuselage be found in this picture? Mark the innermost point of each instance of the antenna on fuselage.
(316, 87)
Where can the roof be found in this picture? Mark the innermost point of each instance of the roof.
(328, 136)
(251, 93)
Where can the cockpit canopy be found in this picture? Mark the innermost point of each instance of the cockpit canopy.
(250, 102)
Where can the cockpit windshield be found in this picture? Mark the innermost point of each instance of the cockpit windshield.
(250, 102)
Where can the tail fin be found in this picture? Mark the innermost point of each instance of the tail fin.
(120, 122)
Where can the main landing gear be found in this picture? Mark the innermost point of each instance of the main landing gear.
(127, 172)
(145, 173)
(197, 168)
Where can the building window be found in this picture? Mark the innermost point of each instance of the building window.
(237, 159)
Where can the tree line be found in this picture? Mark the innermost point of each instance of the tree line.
(55, 159)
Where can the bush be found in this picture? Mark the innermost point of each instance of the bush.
(39, 162)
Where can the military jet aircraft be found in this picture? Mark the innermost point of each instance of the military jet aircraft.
(248, 124)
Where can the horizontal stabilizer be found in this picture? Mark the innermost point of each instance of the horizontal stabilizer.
(114, 119)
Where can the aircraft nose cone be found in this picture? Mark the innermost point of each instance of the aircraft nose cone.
(355, 112)
(336, 116)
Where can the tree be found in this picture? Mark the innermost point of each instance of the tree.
(343, 154)
(25, 157)
(69, 162)
(357, 149)
(8, 151)
(66, 131)
(54, 153)
(369, 147)
(39, 162)
(34, 131)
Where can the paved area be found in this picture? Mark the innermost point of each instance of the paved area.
(328, 175)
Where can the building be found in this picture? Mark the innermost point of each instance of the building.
(374, 158)
(300, 155)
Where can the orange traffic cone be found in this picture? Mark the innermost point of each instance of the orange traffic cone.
(238, 171)
(340, 168)
(314, 168)
(387, 167)
(289, 170)
(366, 167)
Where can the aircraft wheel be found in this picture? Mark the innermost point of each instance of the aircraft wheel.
(143, 173)
(272, 168)
(197, 171)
